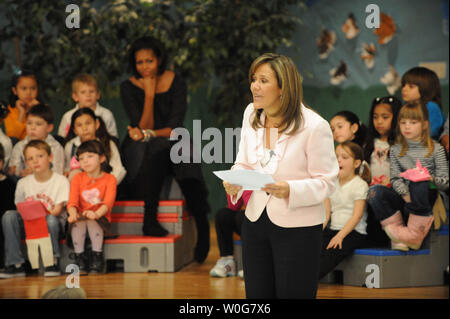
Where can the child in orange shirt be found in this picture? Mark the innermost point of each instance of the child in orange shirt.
(24, 95)
(92, 196)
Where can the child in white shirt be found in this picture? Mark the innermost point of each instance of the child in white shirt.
(346, 208)
(86, 94)
(52, 189)
(87, 126)
(39, 125)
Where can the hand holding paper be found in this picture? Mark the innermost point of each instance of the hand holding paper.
(248, 179)
(277, 189)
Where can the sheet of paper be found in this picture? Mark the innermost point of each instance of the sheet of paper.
(248, 179)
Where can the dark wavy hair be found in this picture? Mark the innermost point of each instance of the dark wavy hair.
(151, 44)
(395, 105)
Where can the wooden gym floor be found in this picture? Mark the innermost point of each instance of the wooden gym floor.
(193, 282)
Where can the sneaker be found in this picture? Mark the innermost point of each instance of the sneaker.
(52, 271)
(12, 271)
(225, 267)
(241, 273)
(97, 263)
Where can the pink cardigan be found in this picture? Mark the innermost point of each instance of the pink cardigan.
(305, 160)
(242, 201)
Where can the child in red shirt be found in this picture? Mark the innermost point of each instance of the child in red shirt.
(92, 196)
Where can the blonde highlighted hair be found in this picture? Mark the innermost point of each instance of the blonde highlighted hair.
(415, 111)
(290, 82)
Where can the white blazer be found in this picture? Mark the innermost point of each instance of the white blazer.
(305, 160)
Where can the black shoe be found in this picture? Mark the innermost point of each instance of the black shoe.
(154, 229)
(53, 271)
(12, 271)
(81, 261)
(97, 263)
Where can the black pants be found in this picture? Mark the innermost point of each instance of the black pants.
(330, 258)
(148, 171)
(227, 222)
(280, 262)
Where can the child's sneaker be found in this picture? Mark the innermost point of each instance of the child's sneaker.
(13, 271)
(225, 267)
(96, 263)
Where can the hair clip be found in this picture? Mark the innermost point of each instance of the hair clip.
(362, 167)
(17, 71)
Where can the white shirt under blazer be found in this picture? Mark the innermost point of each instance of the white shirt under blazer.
(305, 160)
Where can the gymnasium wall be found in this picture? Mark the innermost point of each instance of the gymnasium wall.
(421, 36)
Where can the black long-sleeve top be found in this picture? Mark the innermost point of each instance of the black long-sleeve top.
(169, 107)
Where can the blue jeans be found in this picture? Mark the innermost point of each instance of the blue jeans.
(385, 201)
(14, 232)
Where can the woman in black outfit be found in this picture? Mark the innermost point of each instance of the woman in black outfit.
(155, 100)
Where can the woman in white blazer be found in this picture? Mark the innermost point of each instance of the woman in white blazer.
(280, 136)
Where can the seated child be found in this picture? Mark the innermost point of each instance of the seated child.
(228, 221)
(86, 94)
(92, 196)
(39, 125)
(408, 200)
(52, 189)
(381, 136)
(346, 126)
(421, 84)
(346, 208)
(24, 95)
(85, 126)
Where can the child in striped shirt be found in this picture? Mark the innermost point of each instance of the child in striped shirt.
(415, 199)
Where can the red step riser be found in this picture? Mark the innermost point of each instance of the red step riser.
(136, 239)
(140, 203)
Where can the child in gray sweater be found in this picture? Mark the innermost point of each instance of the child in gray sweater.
(414, 199)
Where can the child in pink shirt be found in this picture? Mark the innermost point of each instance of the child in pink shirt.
(92, 196)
